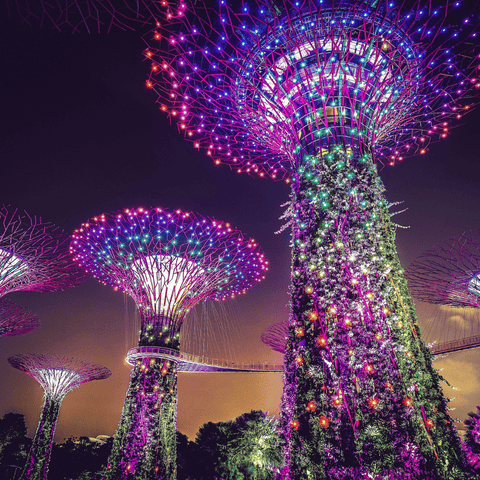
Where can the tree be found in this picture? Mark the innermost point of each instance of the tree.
(14, 444)
(79, 459)
(255, 448)
(212, 440)
(247, 447)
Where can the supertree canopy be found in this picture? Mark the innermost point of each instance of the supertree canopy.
(33, 255)
(448, 274)
(276, 336)
(16, 320)
(57, 376)
(315, 92)
(167, 261)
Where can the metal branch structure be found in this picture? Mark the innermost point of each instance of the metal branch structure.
(276, 336)
(85, 15)
(16, 320)
(315, 92)
(449, 273)
(33, 255)
(57, 376)
(167, 261)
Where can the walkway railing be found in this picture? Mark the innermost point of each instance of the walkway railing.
(187, 362)
(456, 345)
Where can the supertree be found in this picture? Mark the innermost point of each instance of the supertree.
(57, 376)
(167, 261)
(33, 255)
(16, 320)
(315, 92)
(276, 336)
(448, 274)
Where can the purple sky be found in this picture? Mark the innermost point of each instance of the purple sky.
(81, 135)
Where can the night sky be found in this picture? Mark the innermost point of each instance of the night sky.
(81, 135)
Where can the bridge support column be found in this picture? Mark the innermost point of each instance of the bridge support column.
(145, 442)
(361, 397)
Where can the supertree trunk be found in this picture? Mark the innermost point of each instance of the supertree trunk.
(36, 466)
(145, 441)
(360, 395)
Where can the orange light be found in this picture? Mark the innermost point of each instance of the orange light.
(299, 360)
(324, 421)
(312, 316)
(348, 322)
(373, 402)
(337, 402)
(149, 84)
(300, 332)
(369, 368)
(295, 424)
(311, 406)
(321, 341)
(408, 402)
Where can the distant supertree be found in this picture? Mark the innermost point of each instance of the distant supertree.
(276, 336)
(16, 320)
(167, 261)
(315, 92)
(33, 255)
(57, 376)
(448, 274)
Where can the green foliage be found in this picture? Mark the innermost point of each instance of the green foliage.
(14, 444)
(247, 447)
(145, 443)
(361, 396)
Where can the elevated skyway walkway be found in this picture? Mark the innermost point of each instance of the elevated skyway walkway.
(456, 345)
(187, 362)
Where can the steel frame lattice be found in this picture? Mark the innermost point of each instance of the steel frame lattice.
(448, 273)
(33, 255)
(57, 376)
(85, 15)
(167, 261)
(261, 86)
